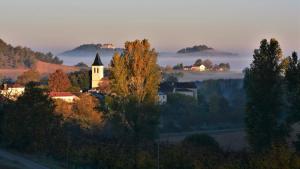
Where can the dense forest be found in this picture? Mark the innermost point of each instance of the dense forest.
(22, 57)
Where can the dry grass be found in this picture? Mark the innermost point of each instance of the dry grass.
(42, 67)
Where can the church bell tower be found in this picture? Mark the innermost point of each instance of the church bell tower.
(97, 72)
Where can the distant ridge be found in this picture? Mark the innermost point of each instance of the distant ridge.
(23, 57)
(204, 50)
(91, 50)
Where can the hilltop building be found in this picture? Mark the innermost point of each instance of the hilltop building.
(108, 46)
(97, 72)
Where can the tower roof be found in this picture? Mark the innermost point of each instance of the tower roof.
(97, 61)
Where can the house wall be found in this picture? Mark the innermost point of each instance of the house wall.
(13, 93)
(69, 99)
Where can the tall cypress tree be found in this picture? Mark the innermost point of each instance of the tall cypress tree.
(263, 89)
(292, 79)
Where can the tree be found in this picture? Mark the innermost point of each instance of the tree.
(135, 78)
(135, 73)
(198, 62)
(81, 79)
(85, 111)
(207, 63)
(263, 91)
(59, 81)
(29, 123)
(29, 76)
(292, 79)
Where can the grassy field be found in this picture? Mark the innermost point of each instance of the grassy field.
(200, 76)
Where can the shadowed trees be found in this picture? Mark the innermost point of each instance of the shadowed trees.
(264, 101)
(29, 123)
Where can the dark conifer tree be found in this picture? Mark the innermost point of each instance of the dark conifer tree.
(264, 101)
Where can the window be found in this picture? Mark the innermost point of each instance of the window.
(97, 70)
(94, 70)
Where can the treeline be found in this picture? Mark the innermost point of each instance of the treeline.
(220, 104)
(16, 57)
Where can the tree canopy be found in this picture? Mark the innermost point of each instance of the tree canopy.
(29, 76)
(59, 81)
(264, 101)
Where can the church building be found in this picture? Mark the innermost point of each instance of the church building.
(97, 72)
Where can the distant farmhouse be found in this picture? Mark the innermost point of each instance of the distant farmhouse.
(200, 68)
(184, 88)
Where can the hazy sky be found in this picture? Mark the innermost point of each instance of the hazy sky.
(235, 25)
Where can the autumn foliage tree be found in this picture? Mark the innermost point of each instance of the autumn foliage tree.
(135, 72)
(135, 78)
(29, 76)
(84, 111)
(59, 81)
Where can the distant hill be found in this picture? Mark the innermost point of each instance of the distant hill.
(90, 50)
(23, 57)
(205, 50)
(198, 48)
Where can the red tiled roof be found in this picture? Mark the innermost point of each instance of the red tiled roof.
(60, 94)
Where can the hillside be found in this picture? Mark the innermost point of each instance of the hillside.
(42, 67)
(204, 50)
(22, 57)
(90, 49)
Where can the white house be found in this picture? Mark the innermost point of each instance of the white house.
(200, 68)
(65, 96)
(12, 91)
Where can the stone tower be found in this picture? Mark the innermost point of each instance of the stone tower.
(97, 71)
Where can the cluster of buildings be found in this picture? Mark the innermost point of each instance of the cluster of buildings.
(13, 91)
(200, 68)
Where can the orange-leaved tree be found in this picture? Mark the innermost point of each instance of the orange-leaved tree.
(59, 81)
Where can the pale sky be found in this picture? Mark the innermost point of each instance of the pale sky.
(234, 25)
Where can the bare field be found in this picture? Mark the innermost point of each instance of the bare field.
(42, 67)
